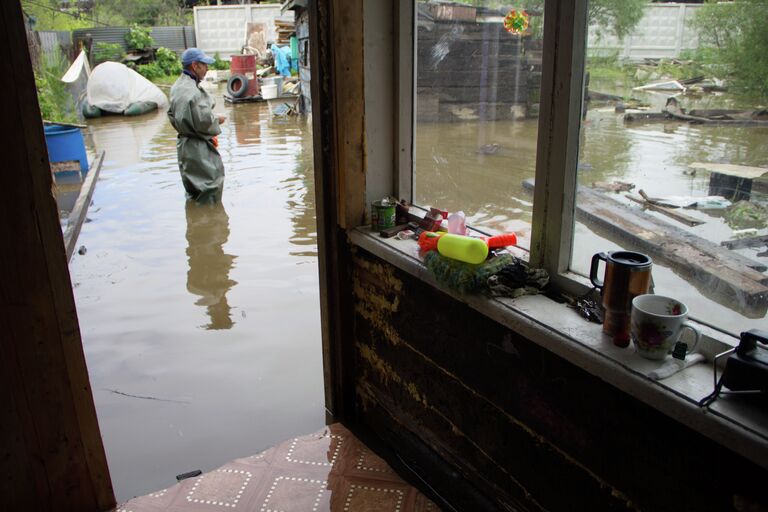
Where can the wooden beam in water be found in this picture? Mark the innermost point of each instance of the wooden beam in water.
(77, 217)
(669, 212)
(721, 275)
(754, 241)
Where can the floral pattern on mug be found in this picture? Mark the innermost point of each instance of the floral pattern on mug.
(652, 335)
(674, 308)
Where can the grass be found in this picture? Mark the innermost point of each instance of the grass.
(55, 101)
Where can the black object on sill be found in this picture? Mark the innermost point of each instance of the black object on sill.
(746, 369)
(588, 305)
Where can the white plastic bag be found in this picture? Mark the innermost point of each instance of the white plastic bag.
(113, 86)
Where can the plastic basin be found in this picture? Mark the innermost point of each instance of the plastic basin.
(269, 91)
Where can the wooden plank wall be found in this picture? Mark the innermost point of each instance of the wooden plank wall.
(495, 422)
(347, 59)
(51, 457)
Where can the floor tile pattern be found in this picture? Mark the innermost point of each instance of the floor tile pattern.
(328, 471)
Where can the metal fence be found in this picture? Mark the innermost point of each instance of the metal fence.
(54, 43)
(664, 32)
(177, 39)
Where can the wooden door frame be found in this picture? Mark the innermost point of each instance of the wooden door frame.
(54, 457)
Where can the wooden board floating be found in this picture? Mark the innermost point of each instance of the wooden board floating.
(739, 171)
(77, 217)
(755, 241)
(725, 277)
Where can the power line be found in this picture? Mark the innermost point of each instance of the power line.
(68, 14)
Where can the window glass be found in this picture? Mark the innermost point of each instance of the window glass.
(478, 76)
(675, 114)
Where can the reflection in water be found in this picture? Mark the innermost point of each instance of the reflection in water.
(209, 265)
(301, 202)
(127, 141)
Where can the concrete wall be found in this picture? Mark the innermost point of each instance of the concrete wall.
(664, 32)
(222, 28)
(495, 422)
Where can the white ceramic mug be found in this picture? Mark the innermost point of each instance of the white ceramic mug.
(657, 323)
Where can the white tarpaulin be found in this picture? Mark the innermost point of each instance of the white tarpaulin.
(113, 86)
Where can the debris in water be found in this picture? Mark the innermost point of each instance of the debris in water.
(147, 397)
(191, 474)
(746, 214)
(616, 186)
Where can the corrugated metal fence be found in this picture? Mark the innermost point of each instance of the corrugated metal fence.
(175, 38)
(53, 43)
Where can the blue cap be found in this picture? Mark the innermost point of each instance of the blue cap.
(191, 55)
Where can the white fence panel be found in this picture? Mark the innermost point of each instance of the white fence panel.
(664, 32)
(222, 28)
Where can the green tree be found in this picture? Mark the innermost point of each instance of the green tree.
(48, 15)
(149, 12)
(616, 17)
(733, 36)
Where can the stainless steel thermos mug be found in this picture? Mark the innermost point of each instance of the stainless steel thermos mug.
(627, 275)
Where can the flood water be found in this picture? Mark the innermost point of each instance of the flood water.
(479, 168)
(209, 313)
(209, 316)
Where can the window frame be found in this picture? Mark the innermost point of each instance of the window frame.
(563, 58)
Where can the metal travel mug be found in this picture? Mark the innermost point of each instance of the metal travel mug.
(627, 275)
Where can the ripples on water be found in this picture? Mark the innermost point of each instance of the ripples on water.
(215, 308)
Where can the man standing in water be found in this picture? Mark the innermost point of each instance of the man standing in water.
(191, 114)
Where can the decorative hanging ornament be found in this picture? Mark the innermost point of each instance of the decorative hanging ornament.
(516, 22)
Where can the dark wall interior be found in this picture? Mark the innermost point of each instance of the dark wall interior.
(477, 410)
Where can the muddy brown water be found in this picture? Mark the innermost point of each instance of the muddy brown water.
(479, 168)
(211, 314)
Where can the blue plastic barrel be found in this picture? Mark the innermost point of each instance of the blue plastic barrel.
(64, 144)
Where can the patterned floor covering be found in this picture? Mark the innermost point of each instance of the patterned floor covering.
(330, 470)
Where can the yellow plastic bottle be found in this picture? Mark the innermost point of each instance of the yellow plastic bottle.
(463, 248)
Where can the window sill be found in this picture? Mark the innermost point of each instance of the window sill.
(560, 330)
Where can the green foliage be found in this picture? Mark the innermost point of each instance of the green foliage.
(48, 15)
(168, 61)
(617, 17)
(56, 104)
(218, 63)
(747, 214)
(103, 52)
(734, 39)
(151, 71)
(138, 38)
(166, 67)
